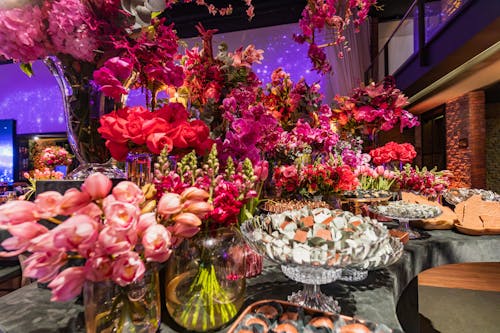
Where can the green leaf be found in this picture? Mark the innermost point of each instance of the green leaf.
(27, 69)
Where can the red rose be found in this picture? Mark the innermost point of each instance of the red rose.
(113, 128)
(407, 152)
(118, 150)
(189, 135)
(157, 141)
(155, 125)
(172, 113)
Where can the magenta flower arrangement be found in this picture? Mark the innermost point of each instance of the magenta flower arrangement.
(232, 188)
(336, 15)
(108, 235)
(55, 155)
(430, 183)
(377, 106)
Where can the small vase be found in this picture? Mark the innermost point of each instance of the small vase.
(205, 281)
(84, 104)
(110, 308)
(253, 262)
(138, 167)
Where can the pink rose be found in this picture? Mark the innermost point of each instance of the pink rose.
(169, 204)
(156, 142)
(128, 268)
(68, 284)
(114, 243)
(78, 233)
(97, 186)
(98, 268)
(128, 192)
(73, 200)
(44, 266)
(48, 203)
(156, 243)
(121, 216)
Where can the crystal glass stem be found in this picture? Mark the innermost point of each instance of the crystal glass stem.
(404, 225)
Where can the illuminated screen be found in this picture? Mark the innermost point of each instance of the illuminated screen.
(7, 133)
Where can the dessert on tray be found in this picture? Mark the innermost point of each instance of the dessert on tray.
(407, 210)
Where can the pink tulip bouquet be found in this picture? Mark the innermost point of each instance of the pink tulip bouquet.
(110, 232)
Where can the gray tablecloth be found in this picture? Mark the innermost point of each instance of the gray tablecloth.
(30, 310)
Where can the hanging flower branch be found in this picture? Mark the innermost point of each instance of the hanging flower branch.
(333, 14)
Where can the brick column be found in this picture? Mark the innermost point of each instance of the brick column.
(465, 134)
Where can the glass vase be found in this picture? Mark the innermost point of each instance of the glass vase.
(253, 262)
(205, 280)
(84, 104)
(138, 167)
(110, 308)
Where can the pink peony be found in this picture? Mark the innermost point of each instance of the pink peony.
(67, 284)
(128, 268)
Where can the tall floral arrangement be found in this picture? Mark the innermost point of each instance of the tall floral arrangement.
(335, 15)
(107, 235)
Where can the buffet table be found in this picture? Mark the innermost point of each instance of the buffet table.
(29, 309)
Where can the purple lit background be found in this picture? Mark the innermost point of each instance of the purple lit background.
(36, 102)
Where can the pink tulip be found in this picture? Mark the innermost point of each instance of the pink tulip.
(128, 192)
(67, 284)
(78, 233)
(156, 243)
(73, 200)
(187, 218)
(169, 204)
(44, 266)
(121, 216)
(97, 186)
(183, 230)
(112, 242)
(48, 204)
(145, 221)
(128, 268)
(200, 208)
(380, 170)
(98, 268)
(42, 243)
(91, 210)
(195, 194)
(22, 234)
(261, 170)
(17, 211)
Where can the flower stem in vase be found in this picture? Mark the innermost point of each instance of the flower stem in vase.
(209, 304)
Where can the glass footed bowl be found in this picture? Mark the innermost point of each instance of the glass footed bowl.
(404, 219)
(387, 255)
(456, 195)
(314, 266)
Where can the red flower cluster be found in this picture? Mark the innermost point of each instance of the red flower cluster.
(430, 183)
(377, 106)
(168, 127)
(314, 179)
(392, 151)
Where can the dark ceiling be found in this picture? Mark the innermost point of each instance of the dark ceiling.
(267, 13)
